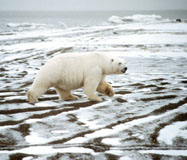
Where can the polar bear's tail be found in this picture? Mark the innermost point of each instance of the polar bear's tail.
(32, 98)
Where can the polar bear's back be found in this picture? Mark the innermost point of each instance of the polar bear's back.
(77, 61)
(72, 61)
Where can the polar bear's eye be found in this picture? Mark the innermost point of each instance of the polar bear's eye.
(119, 63)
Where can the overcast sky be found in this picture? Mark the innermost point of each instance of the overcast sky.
(63, 5)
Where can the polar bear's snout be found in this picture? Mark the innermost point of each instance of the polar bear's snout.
(124, 70)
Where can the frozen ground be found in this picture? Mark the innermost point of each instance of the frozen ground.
(147, 117)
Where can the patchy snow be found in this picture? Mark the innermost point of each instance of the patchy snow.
(41, 150)
(151, 93)
(112, 141)
(115, 152)
(166, 152)
(170, 132)
(34, 138)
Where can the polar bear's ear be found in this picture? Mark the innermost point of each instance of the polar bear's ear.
(112, 60)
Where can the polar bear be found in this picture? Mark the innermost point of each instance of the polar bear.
(71, 71)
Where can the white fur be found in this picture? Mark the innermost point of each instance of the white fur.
(70, 71)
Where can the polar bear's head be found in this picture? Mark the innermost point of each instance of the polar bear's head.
(118, 65)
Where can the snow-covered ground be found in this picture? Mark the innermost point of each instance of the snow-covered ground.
(146, 118)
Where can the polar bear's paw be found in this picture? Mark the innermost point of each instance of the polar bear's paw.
(31, 97)
(70, 98)
(95, 98)
(109, 91)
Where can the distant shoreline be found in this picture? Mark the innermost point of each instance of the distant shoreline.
(173, 14)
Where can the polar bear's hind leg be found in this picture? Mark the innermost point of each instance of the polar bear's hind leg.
(65, 95)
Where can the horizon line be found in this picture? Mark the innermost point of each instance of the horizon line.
(92, 10)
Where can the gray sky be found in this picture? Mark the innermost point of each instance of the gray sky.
(44, 5)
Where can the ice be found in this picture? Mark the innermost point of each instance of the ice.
(136, 18)
(26, 25)
(116, 19)
(140, 17)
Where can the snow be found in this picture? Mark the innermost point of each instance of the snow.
(155, 52)
(34, 138)
(165, 152)
(170, 132)
(118, 128)
(112, 141)
(41, 150)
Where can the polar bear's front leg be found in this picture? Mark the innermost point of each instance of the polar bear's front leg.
(105, 88)
(90, 88)
(35, 92)
(32, 97)
(65, 95)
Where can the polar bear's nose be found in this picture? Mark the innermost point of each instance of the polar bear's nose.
(124, 70)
